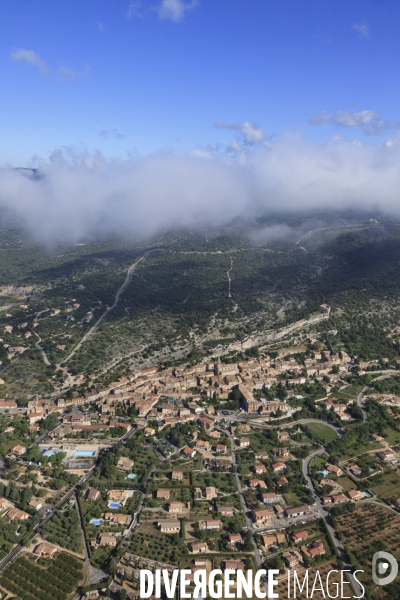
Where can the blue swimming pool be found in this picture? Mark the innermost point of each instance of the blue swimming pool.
(84, 453)
(132, 476)
(96, 521)
(114, 505)
(49, 453)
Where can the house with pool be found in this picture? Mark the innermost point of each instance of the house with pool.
(118, 498)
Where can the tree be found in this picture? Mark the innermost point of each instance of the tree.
(33, 454)
(248, 543)
(49, 422)
(112, 566)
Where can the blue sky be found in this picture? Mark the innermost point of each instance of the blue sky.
(125, 77)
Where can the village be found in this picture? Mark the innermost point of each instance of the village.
(166, 464)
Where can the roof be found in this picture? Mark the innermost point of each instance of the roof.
(211, 523)
(45, 548)
(15, 513)
(198, 545)
(282, 481)
(275, 538)
(117, 494)
(355, 494)
(339, 497)
(264, 512)
(298, 509)
(299, 535)
(333, 468)
(18, 449)
(278, 465)
(170, 524)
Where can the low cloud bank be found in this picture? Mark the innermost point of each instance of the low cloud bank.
(78, 194)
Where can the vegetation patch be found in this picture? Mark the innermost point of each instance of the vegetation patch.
(30, 581)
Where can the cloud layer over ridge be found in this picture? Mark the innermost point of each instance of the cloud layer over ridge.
(79, 194)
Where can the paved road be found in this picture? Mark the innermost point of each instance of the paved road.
(135, 521)
(360, 396)
(325, 515)
(360, 402)
(249, 523)
(379, 504)
(56, 508)
(45, 520)
(95, 575)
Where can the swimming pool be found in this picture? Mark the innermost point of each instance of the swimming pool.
(50, 452)
(84, 453)
(132, 476)
(114, 505)
(96, 521)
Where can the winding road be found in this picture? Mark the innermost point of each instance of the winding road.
(110, 308)
(249, 523)
(324, 514)
(367, 388)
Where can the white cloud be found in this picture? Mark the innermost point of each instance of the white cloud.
(65, 73)
(363, 29)
(101, 27)
(361, 118)
(135, 9)
(371, 122)
(107, 133)
(81, 194)
(251, 134)
(30, 57)
(175, 10)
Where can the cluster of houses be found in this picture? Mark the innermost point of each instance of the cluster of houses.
(144, 387)
(293, 557)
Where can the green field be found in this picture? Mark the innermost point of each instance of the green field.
(360, 448)
(319, 462)
(392, 437)
(385, 485)
(322, 431)
(346, 483)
